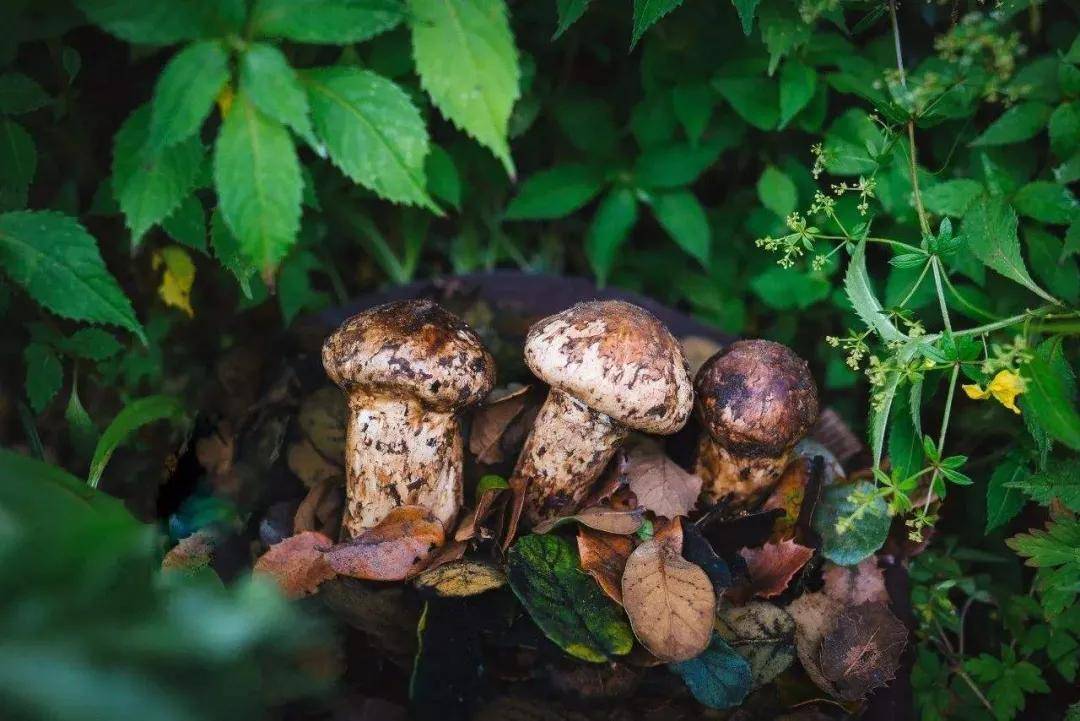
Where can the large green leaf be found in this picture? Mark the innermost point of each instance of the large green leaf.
(718, 678)
(336, 22)
(1060, 480)
(989, 229)
(186, 90)
(867, 533)
(797, 86)
(682, 216)
(1018, 123)
(257, 177)
(674, 165)
(952, 197)
(570, 11)
(1003, 500)
(555, 192)
(611, 224)
(187, 224)
(132, 417)
(564, 602)
(149, 184)
(1047, 396)
(58, 264)
(164, 22)
(267, 78)
(1046, 202)
(755, 99)
(646, 13)
(777, 192)
(467, 62)
(18, 157)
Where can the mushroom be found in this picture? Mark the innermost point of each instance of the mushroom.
(408, 369)
(612, 367)
(756, 400)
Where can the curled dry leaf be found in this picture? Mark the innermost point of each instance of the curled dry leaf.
(192, 553)
(323, 416)
(862, 651)
(401, 544)
(770, 569)
(603, 556)
(852, 585)
(460, 578)
(660, 484)
(321, 509)
(788, 497)
(310, 466)
(600, 518)
(492, 434)
(670, 601)
(761, 633)
(670, 533)
(297, 564)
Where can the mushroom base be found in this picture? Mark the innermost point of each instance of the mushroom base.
(399, 453)
(568, 448)
(743, 480)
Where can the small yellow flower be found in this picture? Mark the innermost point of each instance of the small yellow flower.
(1005, 387)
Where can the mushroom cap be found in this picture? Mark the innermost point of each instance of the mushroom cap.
(413, 347)
(756, 397)
(617, 359)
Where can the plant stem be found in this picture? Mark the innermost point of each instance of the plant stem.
(974, 688)
(924, 223)
(918, 282)
(936, 263)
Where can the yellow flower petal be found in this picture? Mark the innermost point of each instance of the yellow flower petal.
(975, 391)
(1005, 387)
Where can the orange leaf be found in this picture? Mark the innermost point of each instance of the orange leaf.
(399, 546)
(297, 563)
(772, 566)
(603, 556)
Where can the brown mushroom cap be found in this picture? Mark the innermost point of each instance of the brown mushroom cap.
(616, 358)
(414, 346)
(756, 397)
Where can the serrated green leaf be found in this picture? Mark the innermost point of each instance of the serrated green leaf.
(782, 30)
(58, 264)
(611, 224)
(295, 293)
(162, 22)
(647, 13)
(1065, 129)
(227, 250)
(1003, 501)
(257, 177)
(797, 86)
(566, 604)
(187, 224)
(952, 197)
(570, 11)
(150, 184)
(1060, 480)
(745, 9)
(1058, 545)
(132, 417)
(372, 131)
(20, 94)
(273, 86)
(719, 677)
(777, 192)
(1046, 202)
(185, 92)
(867, 533)
(555, 192)
(332, 22)
(18, 157)
(1020, 122)
(852, 144)
(989, 227)
(681, 215)
(1046, 395)
(677, 164)
(92, 344)
(864, 300)
(788, 288)
(467, 62)
(756, 100)
(44, 375)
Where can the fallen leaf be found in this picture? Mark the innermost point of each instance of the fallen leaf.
(310, 466)
(670, 533)
(488, 489)
(217, 450)
(867, 533)
(448, 553)
(569, 608)
(852, 585)
(788, 497)
(698, 550)
(611, 484)
(192, 553)
(670, 601)
(770, 569)
(815, 615)
(460, 578)
(831, 431)
(603, 556)
(177, 278)
(718, 678)
(862, 651)
(322, 418)
(298, 563)
(492, 420)
(399, 545)
(660, 484)
(761, 633)
(600, 518)
(728, 535)
(320, 510)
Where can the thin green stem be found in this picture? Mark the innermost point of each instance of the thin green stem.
(918, 282)
(924, 222)
(885, 241)
(936, 263)
(964, 301)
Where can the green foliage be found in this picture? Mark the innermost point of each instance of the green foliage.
(135, 415)
(867, 524)
(186, 91)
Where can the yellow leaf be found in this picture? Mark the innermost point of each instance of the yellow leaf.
(177, 278)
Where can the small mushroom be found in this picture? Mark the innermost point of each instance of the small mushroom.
(756, 400)
(408, 369)
(612, 368)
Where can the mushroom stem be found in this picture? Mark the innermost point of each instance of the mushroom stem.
(746, 478)
(568, 448)
(399, 453)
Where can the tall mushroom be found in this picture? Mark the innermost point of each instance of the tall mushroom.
(408, 369)
(612, 367)
(756, 400)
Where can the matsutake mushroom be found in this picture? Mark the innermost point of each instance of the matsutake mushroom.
(612, 367)
(408, 368)
(756, 400)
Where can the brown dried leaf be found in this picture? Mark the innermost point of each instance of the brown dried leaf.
(660, 484)
(492, 420)
(217, 451)
(788, 496)
(670, 602)
(852, 585)
(400, 545)
(320, 510)
(600, 518)
(603, 556)
(310, 466)
(761, 633)
(772, 567)
(862, 651)
(191, 553)
(815, 615)
(297, 564)
(670, 533)
(460, 578)
(322, 419)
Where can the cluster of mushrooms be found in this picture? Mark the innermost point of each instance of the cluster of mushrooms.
(411, 368)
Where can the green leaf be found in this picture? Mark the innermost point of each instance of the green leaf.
(1046, 202)
(745, 9)
(566, 604)
(570, 11)
(783, 31)
(611, 224)
(789, 289)
(755, 99)
(989, 228)
(681, 215)
(867, 533)
(1003, 501)
(186, 90)
(18, 157)
(80, 424)
(777, 192)
(647, 13)
(19, 94)
(1052, 265)
(257, 177)
(267, 78)
(467, 62)
(295, 293)
(44, 375)
(162, 22)
(905, 448)
(555, 192)
(953, 197)
(443, 179)
(1019, 123)
(58, 264)
(677, 164)
(92, 344)
(864, 300)
(490, 482)
(719, 677)
(132, 417)
(1058, 545)
(693, 105)
(588, 124)
(797, 86)
(187, 224)
(372, 131)
(1050, 402)
(331, 22)
(150, 184)
(853, 144)
(1065, 129)
(1007, 682)
(1060, 480)
(227, 250)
